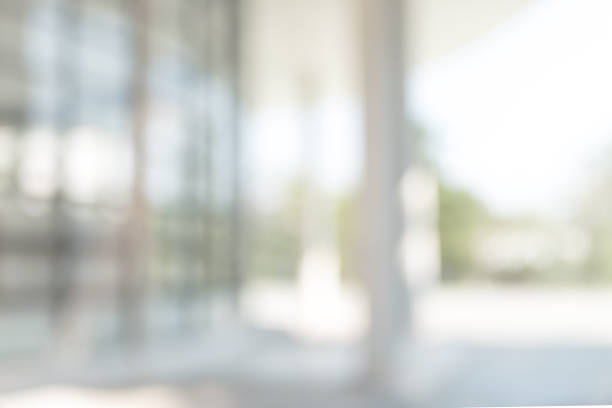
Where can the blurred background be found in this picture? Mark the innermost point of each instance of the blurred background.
(377, 203)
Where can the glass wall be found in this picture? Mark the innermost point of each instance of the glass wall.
(118, 172)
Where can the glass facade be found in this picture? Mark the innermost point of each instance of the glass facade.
(118, 171)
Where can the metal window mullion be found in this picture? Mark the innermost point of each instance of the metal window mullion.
(235, 247)
(133, 283)
(62, 267)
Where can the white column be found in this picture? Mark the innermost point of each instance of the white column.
(384, 165)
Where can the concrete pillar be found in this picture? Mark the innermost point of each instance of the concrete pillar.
(385, 158)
